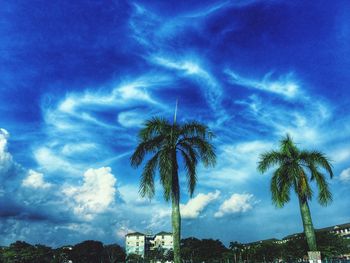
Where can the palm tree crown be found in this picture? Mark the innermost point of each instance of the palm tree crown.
(164, 142)
(296, 168)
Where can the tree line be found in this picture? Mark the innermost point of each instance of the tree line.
(193, 250)
(89, 251)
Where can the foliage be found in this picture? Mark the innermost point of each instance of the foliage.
(236, 249)
(166, 142)
(113, 254)
(295, 248)
(330, 245)
(196, 250)
(87, 252)
(134, 258)
(192, 250)
(293, 167)
(263, 251)
(158, 254)
(22, 252)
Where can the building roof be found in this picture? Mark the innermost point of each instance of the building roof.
(331, 228)
(261, 241)
(135, 234)
(295, 235)
(163, 233)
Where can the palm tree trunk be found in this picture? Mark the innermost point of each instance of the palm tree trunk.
(307, 223)
(175, 215)
(176, 224)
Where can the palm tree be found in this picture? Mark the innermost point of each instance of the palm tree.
(296, 169)
(165, 144)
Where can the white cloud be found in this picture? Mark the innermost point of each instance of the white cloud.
(79, 108)
(196, 205)
(75, 148)
(35, 180)
(160, 218)
(299, 122)
(95, 195)
(5, 157)
(285, 85)
(340, 155)
(123, 231)
(236, 164)
(345, 175)
(131, 118)
(192, 67)
(130, 194)
(237, 203)
(51, 161)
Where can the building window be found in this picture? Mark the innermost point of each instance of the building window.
(162, 237)
(137, 243)
(162, 243)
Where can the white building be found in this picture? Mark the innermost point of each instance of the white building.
(135, 243)
(341, 230)
(139, 243)
(163, 240)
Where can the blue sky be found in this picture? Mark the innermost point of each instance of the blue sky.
(79, 78)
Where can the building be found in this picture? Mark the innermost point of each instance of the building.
(135, 243)
(139, 243)
(342, 230)
(162, 240)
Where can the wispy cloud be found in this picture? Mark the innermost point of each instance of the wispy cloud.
(297, 118)
(236, 164)
(285, 85)
(345, 175)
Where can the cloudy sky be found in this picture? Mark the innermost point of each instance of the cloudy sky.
(78, 79)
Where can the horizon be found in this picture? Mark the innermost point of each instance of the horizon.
(226, 245)
(79, 79)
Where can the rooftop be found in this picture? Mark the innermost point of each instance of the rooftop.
(135, 234)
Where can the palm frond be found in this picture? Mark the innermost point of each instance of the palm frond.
(288, 147)
(280, 187)
(188, 149)
(145, 147)
(270, 159)
(190, 167)
(324, 194)
(304, 189)
(154, 127)
(205, 149)
(147, 177)
(196, 129)
(318, 159)
(165, 172)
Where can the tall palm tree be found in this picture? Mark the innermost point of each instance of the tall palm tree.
(165, 144)
(295, 170)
